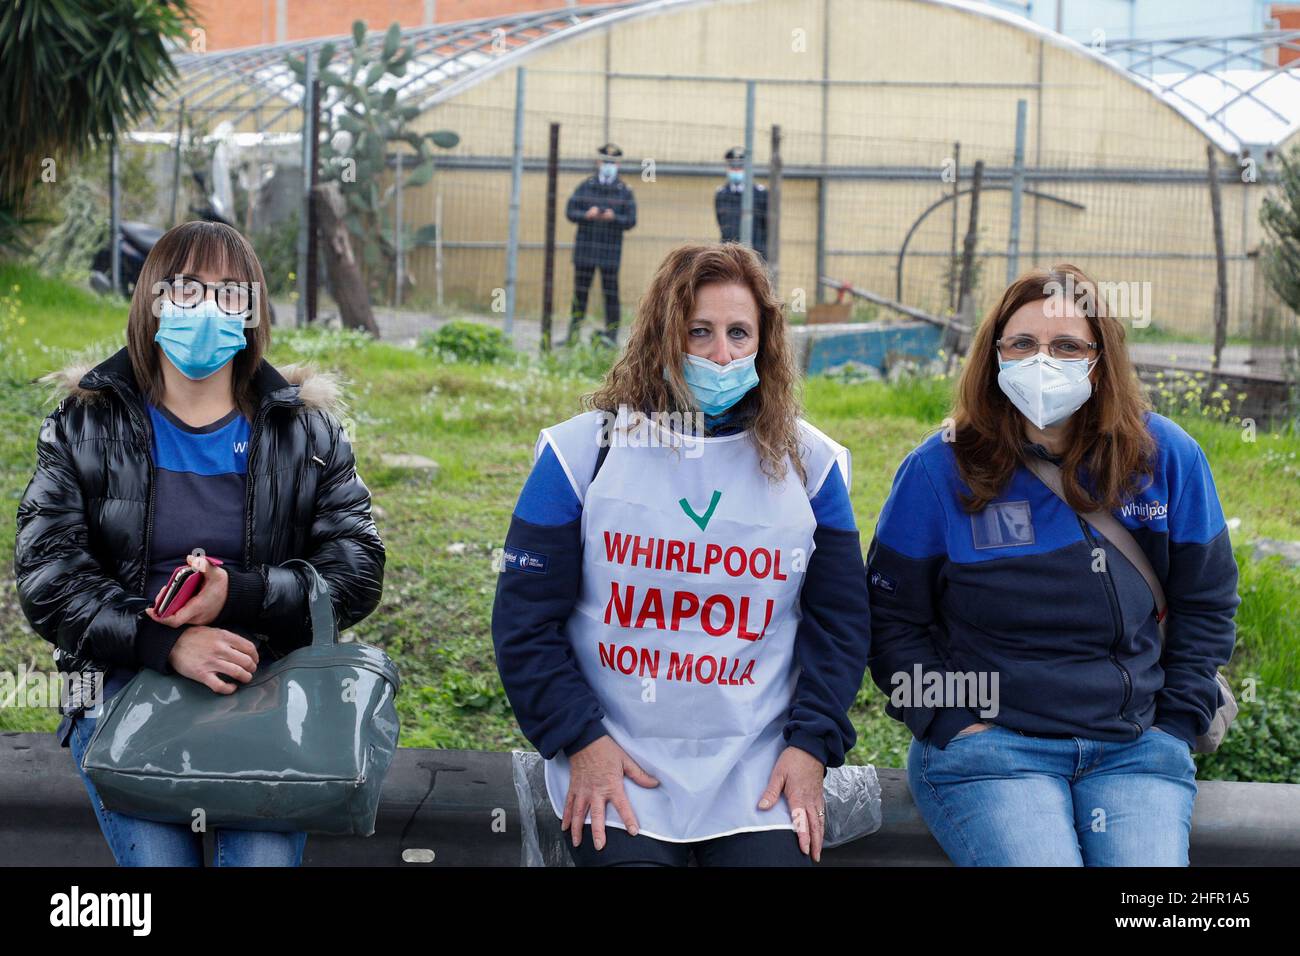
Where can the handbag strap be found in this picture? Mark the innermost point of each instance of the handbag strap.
(1110, 527)
(324, 629)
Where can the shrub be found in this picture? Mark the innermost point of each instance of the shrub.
(468, 342)
(584, 360)
(1263, 744)
(1181, 393)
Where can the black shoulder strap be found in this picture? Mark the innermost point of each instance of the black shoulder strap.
(602, 453)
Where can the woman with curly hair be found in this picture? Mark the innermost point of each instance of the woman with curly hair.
(682, 601)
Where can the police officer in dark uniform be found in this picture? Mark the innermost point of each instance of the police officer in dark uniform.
(727, 200)
(603, 208)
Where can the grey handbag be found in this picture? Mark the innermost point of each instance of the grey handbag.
(304, 745)
(1118, 535)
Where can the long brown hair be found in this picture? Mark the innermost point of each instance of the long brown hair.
(658, 342)
(191, 247)
(1107, 436)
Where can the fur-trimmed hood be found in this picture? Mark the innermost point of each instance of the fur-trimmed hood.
(316, 388)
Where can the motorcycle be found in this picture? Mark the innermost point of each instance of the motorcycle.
(136, 239)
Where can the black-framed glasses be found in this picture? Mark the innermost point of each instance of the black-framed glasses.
(189, 292)
(1062, 347)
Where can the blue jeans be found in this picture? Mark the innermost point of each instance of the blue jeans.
(1000, 798)
(138, 842)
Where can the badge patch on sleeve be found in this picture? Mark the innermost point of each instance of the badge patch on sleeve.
(882, 581)
(517, 559)
(1003, 524)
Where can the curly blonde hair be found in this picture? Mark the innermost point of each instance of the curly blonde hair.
(658, 343)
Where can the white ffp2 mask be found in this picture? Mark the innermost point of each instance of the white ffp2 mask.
(1046, 390)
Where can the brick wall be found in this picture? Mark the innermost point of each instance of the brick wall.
(236, 23)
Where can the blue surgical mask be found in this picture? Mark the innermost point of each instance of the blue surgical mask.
(717, 387)
(201, 340)
(1046, 390)
(608, 172)
(736, 176)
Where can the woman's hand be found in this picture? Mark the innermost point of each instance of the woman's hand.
(204, 607)
(203, 654)
(798, 774)
(978, 727)
(596, 775)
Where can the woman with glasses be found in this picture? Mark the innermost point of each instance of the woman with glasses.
(1052, 724)
(187, 447)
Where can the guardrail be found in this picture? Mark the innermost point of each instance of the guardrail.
(458, 808)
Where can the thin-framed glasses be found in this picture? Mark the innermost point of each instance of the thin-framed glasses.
(188, 292)
(1018, 347)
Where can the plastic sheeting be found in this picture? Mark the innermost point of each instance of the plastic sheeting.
(852, 809)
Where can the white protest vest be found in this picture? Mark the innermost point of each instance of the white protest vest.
(686, 619)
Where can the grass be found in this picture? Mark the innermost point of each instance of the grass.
(479, 423)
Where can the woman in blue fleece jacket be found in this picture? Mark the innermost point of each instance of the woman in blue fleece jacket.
(681, 618)
(1019, 646)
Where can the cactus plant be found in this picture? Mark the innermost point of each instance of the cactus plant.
(361, 118)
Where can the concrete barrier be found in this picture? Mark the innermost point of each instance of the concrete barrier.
(458, 808)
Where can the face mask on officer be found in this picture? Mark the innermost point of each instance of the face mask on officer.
(735, 176)
(608, 172)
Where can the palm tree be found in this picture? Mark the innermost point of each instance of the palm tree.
(72, 73)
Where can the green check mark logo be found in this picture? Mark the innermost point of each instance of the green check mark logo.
(701, 520)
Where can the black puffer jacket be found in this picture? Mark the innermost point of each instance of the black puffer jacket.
(82, 551)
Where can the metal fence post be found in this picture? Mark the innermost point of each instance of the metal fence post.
(313, 259)
(747, 197)
(548, 262)
(176, 160)
(397, 233)
(1220, 264)
(516, 183)
(1017, 193)
(115, 215)
(952, 242)
(304, 223)
(774, 209)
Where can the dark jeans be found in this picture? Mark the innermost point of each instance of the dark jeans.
(760, 848)
(582, 277)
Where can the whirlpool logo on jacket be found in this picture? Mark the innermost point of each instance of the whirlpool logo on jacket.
(517, 559)
(1146, 510)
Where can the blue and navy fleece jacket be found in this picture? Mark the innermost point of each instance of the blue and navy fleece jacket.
(1016, 589)
(556, 708)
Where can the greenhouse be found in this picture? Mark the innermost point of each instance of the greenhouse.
(880, 125)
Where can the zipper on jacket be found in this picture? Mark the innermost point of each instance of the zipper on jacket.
(254, 433)
(1118, 621)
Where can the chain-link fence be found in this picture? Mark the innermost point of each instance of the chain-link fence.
(879, 131)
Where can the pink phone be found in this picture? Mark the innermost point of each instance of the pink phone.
(184, 583)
